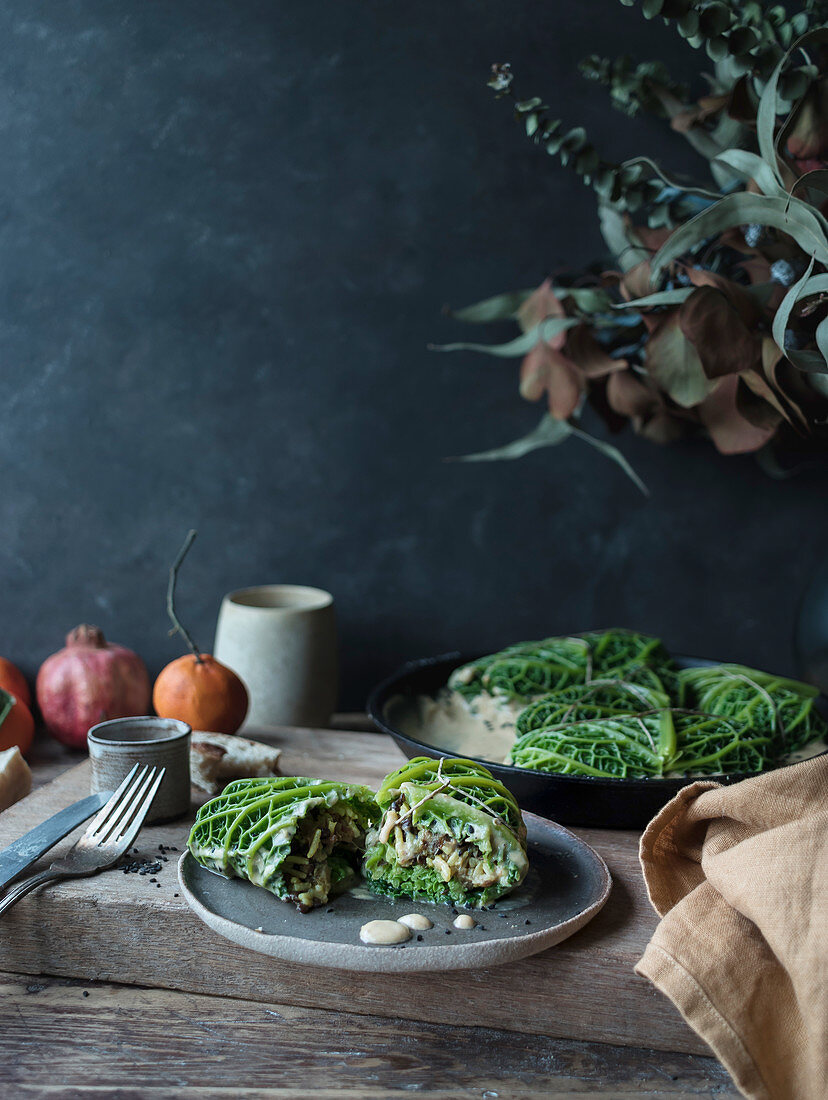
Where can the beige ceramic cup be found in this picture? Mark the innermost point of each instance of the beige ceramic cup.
(281, 640)
(116, 745)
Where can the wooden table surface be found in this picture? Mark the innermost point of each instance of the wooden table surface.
(66, 1038)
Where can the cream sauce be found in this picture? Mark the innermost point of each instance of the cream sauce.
(418, 921)
(813, 748)
(483, 727)
(384, 932)
(465, 921)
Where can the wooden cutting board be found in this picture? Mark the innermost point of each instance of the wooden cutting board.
(135, 928)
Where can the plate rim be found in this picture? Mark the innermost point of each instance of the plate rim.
(371, 959)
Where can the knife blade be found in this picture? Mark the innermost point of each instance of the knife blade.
(23, 852)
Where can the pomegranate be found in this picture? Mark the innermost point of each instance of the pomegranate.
(87, 682)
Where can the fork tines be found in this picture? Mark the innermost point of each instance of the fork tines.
(121, 818)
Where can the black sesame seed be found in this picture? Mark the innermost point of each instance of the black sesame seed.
(176, 895)
(527, 922)
(86, 992)
(420, 938)
(448, 931)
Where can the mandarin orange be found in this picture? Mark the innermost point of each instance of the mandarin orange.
(199, 690)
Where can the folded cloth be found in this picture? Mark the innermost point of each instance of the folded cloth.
(740, 876)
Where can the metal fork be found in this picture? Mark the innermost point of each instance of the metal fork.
(106, 838)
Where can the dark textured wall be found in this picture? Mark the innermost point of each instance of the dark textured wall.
(226, 234)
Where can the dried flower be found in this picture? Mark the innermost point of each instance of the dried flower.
(714, 318)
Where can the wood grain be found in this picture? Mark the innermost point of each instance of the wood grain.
(125, 928)
(157, 1043)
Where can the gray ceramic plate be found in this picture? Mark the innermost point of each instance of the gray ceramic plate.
(567, 885)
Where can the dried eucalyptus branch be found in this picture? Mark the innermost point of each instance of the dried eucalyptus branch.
(751, 36)
(632, 87)
(634, 185)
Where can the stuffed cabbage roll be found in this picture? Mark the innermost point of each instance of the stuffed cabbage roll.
(626, 746)
(784, 709)
(597, 699)
(530, 670)
(525, 670)
(299, 838)
(450, 832)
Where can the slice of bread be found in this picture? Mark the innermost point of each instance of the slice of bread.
(15, 777)
(216, 758)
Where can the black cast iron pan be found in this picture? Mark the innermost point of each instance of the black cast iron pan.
(569, 799)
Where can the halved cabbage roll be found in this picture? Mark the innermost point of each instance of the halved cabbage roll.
(450, 832)
(299, 838)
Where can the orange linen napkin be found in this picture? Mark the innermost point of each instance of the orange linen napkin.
(740, 876)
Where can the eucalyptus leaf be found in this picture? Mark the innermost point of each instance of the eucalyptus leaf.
(792, 217)
(821, 336)
(614, 454)
(766, 120)
(656, 170)
(502, 307)
(783, 313)
(806, 286)
(747, 166)
(817, 180)
(625, 247)
(811, 362)
(587, 299)
(660, 298)
(521, 345)
(673, 362)
(549, 433)
(768, 106)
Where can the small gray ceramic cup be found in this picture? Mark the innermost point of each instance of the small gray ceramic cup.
(116, 745)
(281, 640)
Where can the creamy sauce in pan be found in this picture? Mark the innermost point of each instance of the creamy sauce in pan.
(813, 748)
(483, 727)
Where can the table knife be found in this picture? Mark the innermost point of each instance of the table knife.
(21, 853)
